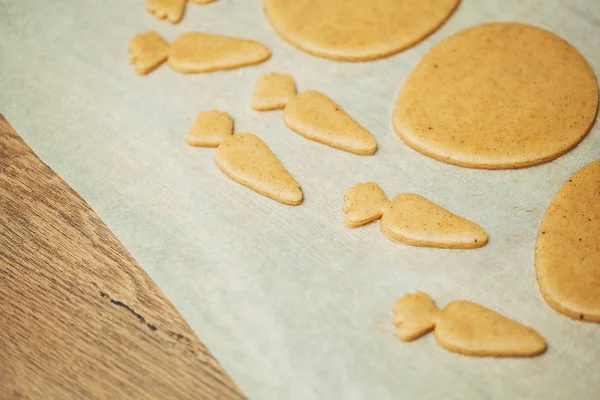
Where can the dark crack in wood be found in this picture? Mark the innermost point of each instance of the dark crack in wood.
(131, 310)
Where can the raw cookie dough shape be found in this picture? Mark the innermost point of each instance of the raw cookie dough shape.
(410, 219)
(317, 117)
(356, 30)
(567, 254)
(497, 96)
(248, 161)
(209, 129)
(465, 327)
(244, 157)
(147, 51)
(195, 52)
(172, 10)
(273, 91)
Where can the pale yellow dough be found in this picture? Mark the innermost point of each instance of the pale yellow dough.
(273, 91)
(497, 95)
(172, 10)
(411, 219)
(317, 117)
(465, 327)
(248, 161)
(195, 52)
(209, 129)
(355, 30)
(567, 252)
(147, 51)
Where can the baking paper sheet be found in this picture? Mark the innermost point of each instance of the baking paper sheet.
(291, 302)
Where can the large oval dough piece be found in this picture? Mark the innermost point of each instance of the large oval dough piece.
(567, 252)
(496, 96)
(354, 30)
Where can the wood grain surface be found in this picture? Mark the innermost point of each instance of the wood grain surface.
(78, 317)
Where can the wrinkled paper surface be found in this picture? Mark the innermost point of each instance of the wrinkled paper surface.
(291, 302)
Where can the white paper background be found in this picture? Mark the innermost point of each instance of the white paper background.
(292, 303)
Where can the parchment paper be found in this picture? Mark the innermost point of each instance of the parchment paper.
(291, 302)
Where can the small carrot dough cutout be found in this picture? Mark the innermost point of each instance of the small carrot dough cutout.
(248, 161)
(410, 219)
(465, 327)
(316, 117)
(273, 91)
(172, 10)
(195, 52)
(244, 158)
(209, 129)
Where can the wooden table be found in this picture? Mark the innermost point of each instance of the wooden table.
(79, 317)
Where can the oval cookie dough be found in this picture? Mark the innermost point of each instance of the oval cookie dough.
(567, 252)
(497, 96)
(355, 30)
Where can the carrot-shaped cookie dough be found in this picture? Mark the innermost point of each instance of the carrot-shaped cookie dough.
(248, 160)
(202, 52)
(567, 252)
(195, 52)
(317, 117)
(210, 129)
(171, 10)
(411, 219)
(465, 327)
(244, 157)
(273, 91)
